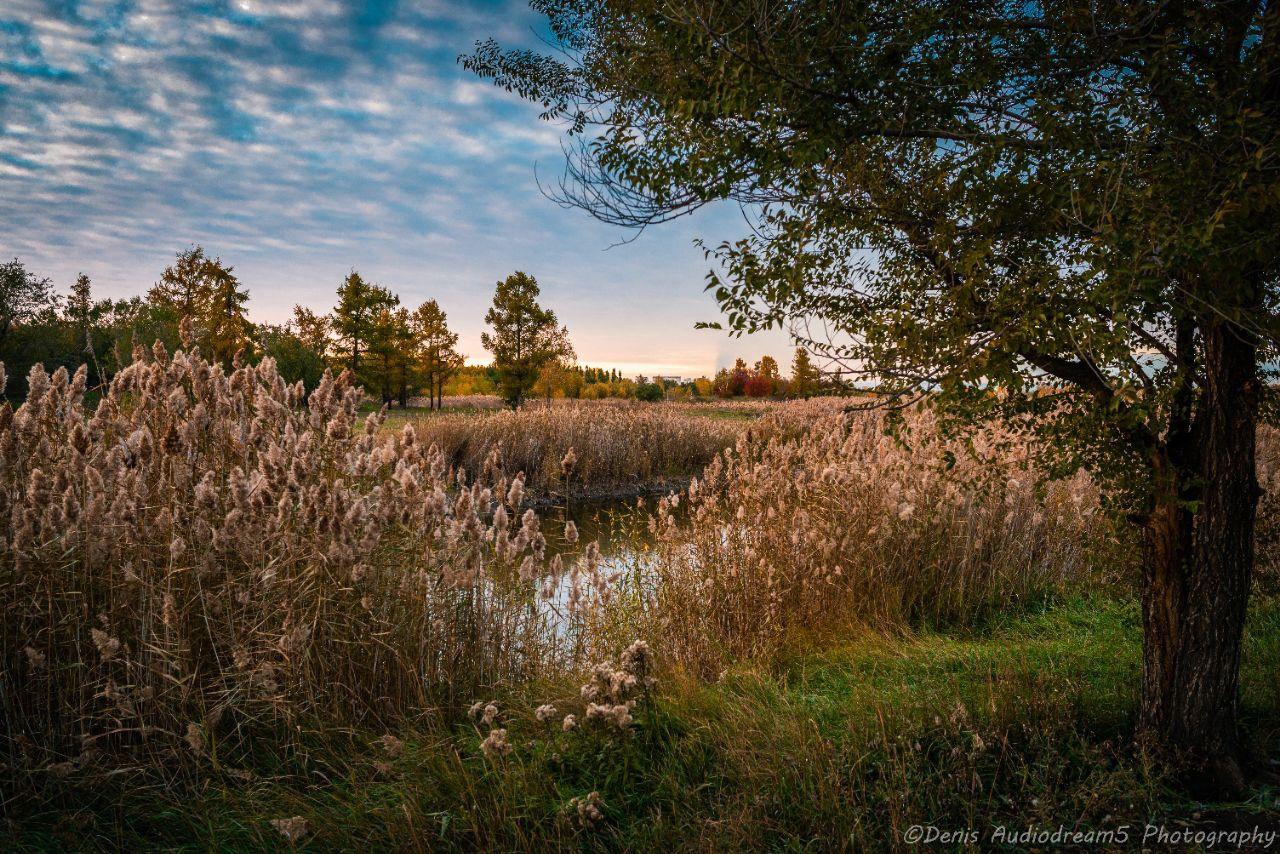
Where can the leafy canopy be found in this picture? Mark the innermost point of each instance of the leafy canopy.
(970, 196)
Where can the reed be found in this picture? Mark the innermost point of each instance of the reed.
(205, 549)
(618, 445)
(818, 520)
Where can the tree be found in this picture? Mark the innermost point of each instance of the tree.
(436, 346)
(804, 375)
(387, 369)
(23, 296)
(471, 379)
(738, 377)
(30, 328)
(186, 287)
(228, 329)
(722, 384)
(557, 368)
(360, 305)
(207, 293)
(297, 359)
(757, 385)
(1042, 198)
(525, 336)
(650, 392)
(312, 329)
(120, 324)
(770, 377)
(80, 313)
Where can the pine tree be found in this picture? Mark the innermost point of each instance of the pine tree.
(80, 313)
(523, 337)
(186, 287)
(804, 375)
(436, 354)
(229, 330)
(359, 307)
(385, 371)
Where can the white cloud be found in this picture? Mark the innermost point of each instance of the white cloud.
(297, 141)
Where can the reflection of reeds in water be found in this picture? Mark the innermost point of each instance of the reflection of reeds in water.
(583, 610)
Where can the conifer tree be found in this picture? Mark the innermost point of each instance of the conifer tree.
(355, 318)
(437, 357)
(523, 337)
(804, 375)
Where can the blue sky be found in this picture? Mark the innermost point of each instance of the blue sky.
(298, 139)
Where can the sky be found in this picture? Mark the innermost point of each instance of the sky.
(299, 139)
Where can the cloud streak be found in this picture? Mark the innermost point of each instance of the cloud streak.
(297, 138)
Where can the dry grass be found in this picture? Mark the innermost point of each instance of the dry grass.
(204, 549)
(618, 445)
(206, 566)
(842, 525)
(462, 401)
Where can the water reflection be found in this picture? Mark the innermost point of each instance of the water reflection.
(621, 528)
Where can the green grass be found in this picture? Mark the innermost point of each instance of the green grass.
(1026, 722)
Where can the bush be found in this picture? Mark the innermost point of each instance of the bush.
(649, 392)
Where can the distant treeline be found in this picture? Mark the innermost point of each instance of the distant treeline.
(394, 352)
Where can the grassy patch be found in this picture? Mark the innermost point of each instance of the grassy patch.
(1024, 723)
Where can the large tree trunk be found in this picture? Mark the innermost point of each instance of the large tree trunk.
(1198, 570)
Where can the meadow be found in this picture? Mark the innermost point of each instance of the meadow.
(243, 617)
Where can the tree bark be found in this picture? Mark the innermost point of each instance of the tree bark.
(1198, 570)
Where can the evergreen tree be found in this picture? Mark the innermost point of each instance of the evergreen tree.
(80, 313)
(228, 329)
(523, 335)
(360, 307)
(385, 370)
(804, 375)
(185, 289)
(436, 350)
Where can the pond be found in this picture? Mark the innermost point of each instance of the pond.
(620, 527)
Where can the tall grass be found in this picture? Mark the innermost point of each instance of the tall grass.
(206, 548)
(618, 445)
(209, 559)
(833, 524)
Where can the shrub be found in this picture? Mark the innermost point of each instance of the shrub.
(649, 392)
